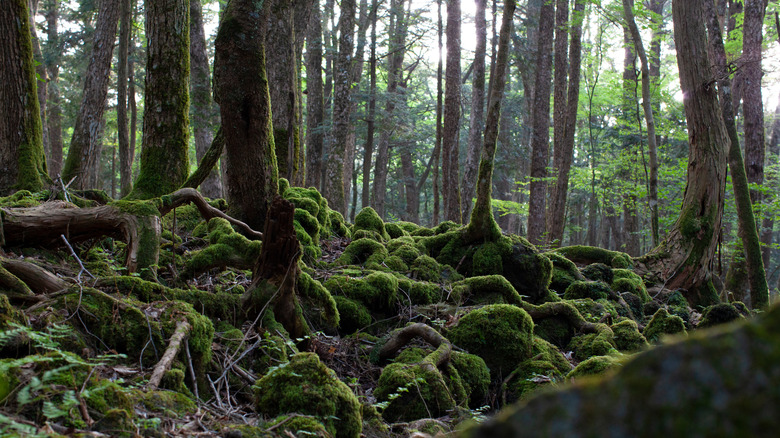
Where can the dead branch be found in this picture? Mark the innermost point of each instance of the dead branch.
(39, 280)
(182, 330)
(401, 337)
(187, 195)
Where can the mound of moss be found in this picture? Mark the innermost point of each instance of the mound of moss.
(363, 251)
(368, 224)
(594, 290)
(501, 334)
(590, 254)
(595, 365)
(598, 272)
(628, 338)
(488, 289)
(378, 290)
(304, 385)
(625, 280)
(353, 316)
(663, 323)
(564, 272)
(719, 314)
(226, 248)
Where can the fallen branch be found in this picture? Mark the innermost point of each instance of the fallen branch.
(187, 195)
(182, 330)
(38, 279)
(208, 162)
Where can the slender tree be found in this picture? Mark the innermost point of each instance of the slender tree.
(368, 149)
(439, 113)
(164, 163)
(241, 89)
(451, 128)
(315, 110)
(52, 59)
(40, 70)
(22, 163)
(123, 136)
(772, 155)
(83, 154)
(752, 101)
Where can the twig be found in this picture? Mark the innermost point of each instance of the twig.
(192, 369)
(182, 329)
(73, 253)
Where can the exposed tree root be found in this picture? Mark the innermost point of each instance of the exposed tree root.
(189, 195)
(567, 311)
(401, 337)
(182, 330)
(37, 279)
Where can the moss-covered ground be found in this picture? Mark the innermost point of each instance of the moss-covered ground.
(508, 323)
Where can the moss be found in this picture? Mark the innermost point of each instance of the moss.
(590, 254)
(423, 232)
(168, 403)
(419, 390)
(598, 272)
(719, 314)
(475, 375)
(362, 251)
(592, 344)
(201, 334)
(318, 298)
(488, 289)
(626, 280)
(595, 310)
(501, 334)
(676, 298)
(22, 199)
(395, 231)
(297, 426)
(309, 224)
(305, 385)
(555, 330)
(543, 350)
(564, 273)
(587, 289)
(529, 271)
(627, 336)
(407, 252)
(426, 268)
(353, 315)
(650, 307)
(226, 248)
(338, 226)
(663, 323)
(446, 227)
(634, 304)
(369, 220)
(116, 422)
(187, 218)
(10, 314)
(530, 376)
(395, 264)
(683, 312)
(595, 365)
(377, 290)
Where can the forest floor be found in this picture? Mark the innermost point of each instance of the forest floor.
(412, 330)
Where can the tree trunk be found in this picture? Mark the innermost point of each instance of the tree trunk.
(241, 89)
(334, 170)
(123, 137)
(476, 119)
(541, 123)
(202, 109)
(627, 169)
(368, 149)
(40, 70)
(83, 154)
(482, 225)
(768, 224)
(759, 289)
(22, 163)
(451, 128)
(315, 110)
(412, 211)
(683, 260)
(654, 74)
(439, 113)
(54, 116)
(753, 106)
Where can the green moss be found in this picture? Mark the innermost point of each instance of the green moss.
(226, 248)
(488, 260)
(395, 264)
(201, 334)
(627, 336)
(426, 268)
(649, 308)
(10, 314)
(590, 254)
(318, 298)
(676, 298)
(298, 425)
(543, 350)
(592, 344)
(369, 220)
(719, 314)
(187, 218)
(116, 422)
(488, 289)
(304, 385)
(595, 365)
(419, 390)
(587, 289)
(595, 310)
(530, 376)
(22, 199)
(377, 290)
(475, 375)
(362, 251)
(395, 231)
(353, 315)
(555, 330)
(564, 273)
(529, 271)
(663, 323)
(598, 272)
(423, 292)
(407, 252)
(309, 224)
(626, 280)
(337, 224)
(501, 334)
(168, 403)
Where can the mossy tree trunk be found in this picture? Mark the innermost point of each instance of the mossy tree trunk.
(772, 154)
(683, 260)
(122, 122)
(164, 162)
(315, 110)
(241, 89)
(22, 162)
(482, 225)
(759, 289)
(203, 110)
(451, 128)
(54, 112)
(368, 149)
(83, 158)
(40, 70)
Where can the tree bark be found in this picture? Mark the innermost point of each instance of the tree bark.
(451, 128)
(54, 116)
(476, 119)
(164, 162)
(40, 70)
(439, 113)
(83, 158)
(123, 136)
(241, 89)
(768, 224)
(315, 110)
(759, 289)
(654, 73)
(541, 123)
(752, 102)
(22, 163)
(202, 110)
(683, 260)
(368, 149)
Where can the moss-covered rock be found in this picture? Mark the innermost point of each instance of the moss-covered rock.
(676, 298)
(713, 383)
(418, 390)
(488, 259)
(588, 345)
(719, 314)
(501, 334)
(649, 308)
(420, 292)
(475, 375)
(595, 365)
(406, 251)
(594, 290)
(304, 385)
(591, 254)
(663, 323)
(598, 272)
(426, 268)
(555, 330)
(226, 248)
(369, 220)
(378, 290)
(353, 315)
(626, 280)
(363, 251)
(530, 376)
(564, 273)
(595, 310)
(318, 299)
(395, 231)
(627, 336)
(529, 271)
(488, 289)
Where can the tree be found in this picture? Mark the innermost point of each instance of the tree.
(202, 109)
(164, 163)
(241, 89)
(451, 128)
(540, 123)
(481, 224)
(683, 259)
(40, 70)
(22, 163)
(752, 102)
(315, 110)
(123, 136)
(54, 113)
(84, 151)
(368, 149)
(477, 112)
(334, 170)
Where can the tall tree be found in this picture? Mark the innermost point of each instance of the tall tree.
(752, 102)
(656, 8)
(164, 163)
(541, 123)
(315, 110)
(683, 259)
(202, 109)
(476, 118)
(567, 98)
(439, 114)
(83, 154)
(40, 70)
(368, 149)
(772, 155)
(123, 136)
(22, 163)
(482, 225)
(241, 89)
(759, 290)
(334, 170)
(54, 114)
(451, 128)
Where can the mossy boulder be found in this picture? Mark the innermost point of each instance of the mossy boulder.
(625, 280)
(595, 310)
(406, 251)
(475, 375)
(598, 272)
(378, 290)
(395, 231)
(368, 220)
(9, 314)
(564, 272)
(226, 248)
(529, 271)
(628, 338)
(594, 290)
(419, 292)
(363, 251)
(663, 323)
(530, 376)
(587, 255)
(719, 314)
(555, 330)
(487, 289)
(353, 315)
(501, 334)
(595, 365)
(319, 302)
(488, 259)
(712, 383)
(588, 345)
(426, 268)
(305, 385)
